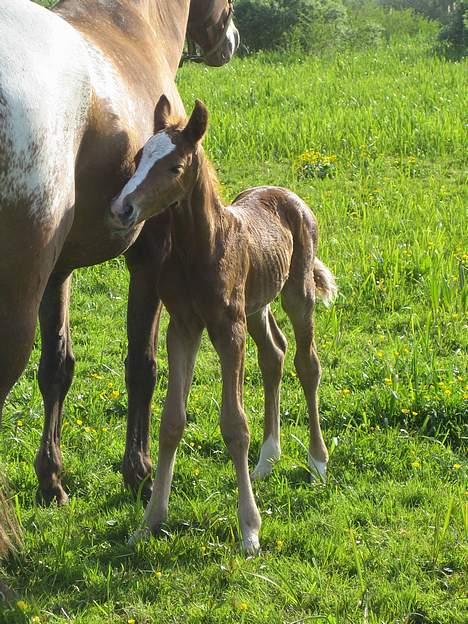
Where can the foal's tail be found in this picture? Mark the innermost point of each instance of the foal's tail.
(325, 283)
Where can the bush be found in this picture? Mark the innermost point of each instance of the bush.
(452, 38)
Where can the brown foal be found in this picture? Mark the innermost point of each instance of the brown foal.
(226, 265)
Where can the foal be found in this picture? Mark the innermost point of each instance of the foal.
(225, 266)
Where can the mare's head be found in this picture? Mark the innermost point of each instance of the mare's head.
(212, 28)
(167, 166)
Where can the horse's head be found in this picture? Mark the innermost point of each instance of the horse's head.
(166, 166)
(212, 28)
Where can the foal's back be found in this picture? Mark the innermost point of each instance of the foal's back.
(280, 236)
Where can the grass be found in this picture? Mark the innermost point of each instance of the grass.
(385, 540)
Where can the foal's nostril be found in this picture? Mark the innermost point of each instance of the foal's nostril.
(127, 211)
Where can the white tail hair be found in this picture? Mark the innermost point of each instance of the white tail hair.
(324, 282)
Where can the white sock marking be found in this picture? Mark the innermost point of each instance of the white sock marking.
(269, 454)
(318, 468)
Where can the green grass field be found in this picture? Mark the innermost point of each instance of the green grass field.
(386, 539)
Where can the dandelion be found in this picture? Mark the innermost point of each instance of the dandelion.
(158, 574)
(131, 621)
(79, 422)
(456, 466)
(345, 391)
(88, 429)
(19, 423)
(115, 394)
(414, 413)
(196, 472)
(416, 465)
(104, 429)
(35, 619)
(404, 410)
(314, 164)
(388, 381)
(279, 544)
(379, 354)
(243, 606)
(22, 605)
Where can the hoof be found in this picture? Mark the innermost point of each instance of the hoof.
(251, 545)
(262, 471)
(46, 497)
(318, 469)
(140, 535)
(140, 489)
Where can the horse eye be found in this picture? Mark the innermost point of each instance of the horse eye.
(176, 169)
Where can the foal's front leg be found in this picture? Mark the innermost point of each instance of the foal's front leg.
(229, 340)
(183, 340)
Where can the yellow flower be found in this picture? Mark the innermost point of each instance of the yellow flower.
(404, 410)
(414, 413)
(22, 605)
(35, 619)
(416, 465)
(388, 381)
(279, 544)
(379, 354)
(115, 394)
(158, 574)
(130, 621)
(456, 466)
(104, 429)
(243, 606)
(346, 391)
(19, 423)
(196, 472)
(79, 422)
(88, 429)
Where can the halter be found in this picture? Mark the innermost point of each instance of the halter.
(197, 57)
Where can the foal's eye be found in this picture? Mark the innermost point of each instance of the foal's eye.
(176, 169)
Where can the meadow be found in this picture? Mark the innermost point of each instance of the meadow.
(374, 142)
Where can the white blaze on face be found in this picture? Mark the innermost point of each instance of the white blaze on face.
(157, 147)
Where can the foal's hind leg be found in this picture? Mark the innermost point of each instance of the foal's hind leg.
(298, 302)
(183, 341)
(271, 345)
(55, 376)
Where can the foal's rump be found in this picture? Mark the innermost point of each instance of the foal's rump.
(282, 237)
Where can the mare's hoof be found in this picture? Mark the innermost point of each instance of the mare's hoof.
(140, 488)
(48, 496)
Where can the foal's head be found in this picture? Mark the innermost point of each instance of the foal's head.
(167, 166)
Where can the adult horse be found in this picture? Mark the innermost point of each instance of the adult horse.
(77, 91)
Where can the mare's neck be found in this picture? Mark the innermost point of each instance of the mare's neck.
(200, 217)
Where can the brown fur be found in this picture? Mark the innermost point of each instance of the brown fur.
(226, 266)
(143, 41)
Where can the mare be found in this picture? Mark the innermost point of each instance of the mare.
(225, 266)
(78, 86)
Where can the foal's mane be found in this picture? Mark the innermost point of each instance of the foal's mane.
(206, 168)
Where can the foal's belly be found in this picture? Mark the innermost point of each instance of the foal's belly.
(269, 269)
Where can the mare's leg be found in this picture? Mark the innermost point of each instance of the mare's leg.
(144, 260)
(183, 340)
(298, 302)
(228, 337)
(271, 345)
(55, 375)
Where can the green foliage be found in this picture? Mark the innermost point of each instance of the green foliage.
(453, 37)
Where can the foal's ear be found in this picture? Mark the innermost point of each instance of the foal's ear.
(162, 112)
(197, 124)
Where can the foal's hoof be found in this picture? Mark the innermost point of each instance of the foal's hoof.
(47, 496)
(251, 545)
(318, 469)
(140, 535)
(262, 471)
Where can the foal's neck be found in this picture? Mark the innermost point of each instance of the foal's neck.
(200, 216)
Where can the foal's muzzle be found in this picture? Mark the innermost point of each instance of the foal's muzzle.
(123, 212)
